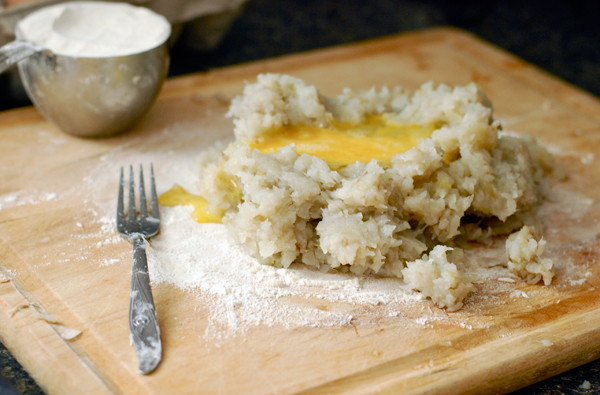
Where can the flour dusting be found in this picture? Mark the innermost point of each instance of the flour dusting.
(202, 257)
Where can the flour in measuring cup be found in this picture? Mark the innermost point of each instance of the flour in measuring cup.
(95, 29)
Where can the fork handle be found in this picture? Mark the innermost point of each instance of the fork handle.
(143, 322)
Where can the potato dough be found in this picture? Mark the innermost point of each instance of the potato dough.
(464, 183)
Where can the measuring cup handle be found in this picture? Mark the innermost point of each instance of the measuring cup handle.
(15, 51)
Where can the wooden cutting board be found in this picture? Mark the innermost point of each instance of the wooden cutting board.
(56, 249)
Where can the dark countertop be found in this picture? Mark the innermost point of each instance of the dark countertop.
(561, 37)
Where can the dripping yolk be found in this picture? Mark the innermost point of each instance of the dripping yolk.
(202, 212)
(339, 145)
(344, 143)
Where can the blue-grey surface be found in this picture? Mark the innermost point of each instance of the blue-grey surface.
(561, 37)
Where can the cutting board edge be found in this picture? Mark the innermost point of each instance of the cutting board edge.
(21, 326)
(551, 85)
(503, 371)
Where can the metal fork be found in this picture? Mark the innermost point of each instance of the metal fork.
(143, 322)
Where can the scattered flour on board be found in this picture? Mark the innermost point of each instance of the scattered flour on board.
(202, 257)
(26, 197)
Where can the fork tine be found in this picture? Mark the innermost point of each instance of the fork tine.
(132, 213)
(155, 212)
(143, 209)
(120, 205)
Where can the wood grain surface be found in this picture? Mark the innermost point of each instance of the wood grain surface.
(54, 248)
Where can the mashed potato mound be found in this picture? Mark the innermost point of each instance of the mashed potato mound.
(404, 219)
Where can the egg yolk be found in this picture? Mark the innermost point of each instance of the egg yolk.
(202, 213)
(344, 143)
(339, 145)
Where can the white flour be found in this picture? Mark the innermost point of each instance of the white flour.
(201, 257)
(95, 29)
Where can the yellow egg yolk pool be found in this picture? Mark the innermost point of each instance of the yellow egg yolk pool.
(344, 143)
(178, 196)
(339, 145)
